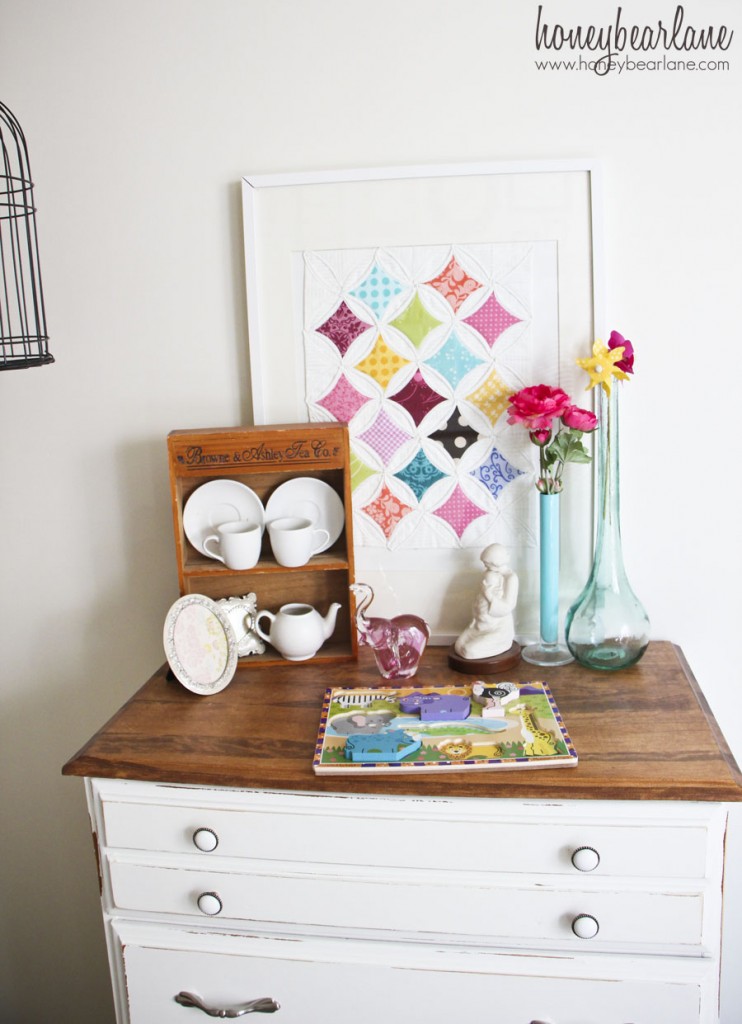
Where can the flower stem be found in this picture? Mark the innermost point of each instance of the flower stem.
(543, 468)
(606, 476)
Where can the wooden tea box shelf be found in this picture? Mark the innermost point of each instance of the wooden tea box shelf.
(584, 895)
(263, 458)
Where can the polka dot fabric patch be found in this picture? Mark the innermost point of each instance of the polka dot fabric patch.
(382, 363)
(377, 290)
(459, 511)
(491, 319)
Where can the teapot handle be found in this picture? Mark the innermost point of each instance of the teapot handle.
(258, 630)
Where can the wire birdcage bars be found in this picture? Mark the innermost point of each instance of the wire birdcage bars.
(23, 337)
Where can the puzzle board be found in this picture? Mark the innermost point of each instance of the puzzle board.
(427, 728)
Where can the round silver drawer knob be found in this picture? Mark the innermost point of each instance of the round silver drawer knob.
(585, 926)
(209, 903)
(585, 858)
(205, 839)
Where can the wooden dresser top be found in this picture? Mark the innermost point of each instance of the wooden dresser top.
(641, 734)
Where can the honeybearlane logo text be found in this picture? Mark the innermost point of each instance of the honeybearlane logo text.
(666, 41)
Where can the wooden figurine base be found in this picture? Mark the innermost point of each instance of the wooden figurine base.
(483, 666)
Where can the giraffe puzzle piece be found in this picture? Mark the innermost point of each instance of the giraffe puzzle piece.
(536, 742)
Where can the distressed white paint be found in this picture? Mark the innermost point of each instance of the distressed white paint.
(387, 886)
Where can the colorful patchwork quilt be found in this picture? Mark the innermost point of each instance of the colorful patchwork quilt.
(418, 349)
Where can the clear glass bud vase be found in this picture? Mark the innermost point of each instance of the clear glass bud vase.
(607, 626)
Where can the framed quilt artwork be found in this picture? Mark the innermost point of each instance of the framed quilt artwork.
(410, 303)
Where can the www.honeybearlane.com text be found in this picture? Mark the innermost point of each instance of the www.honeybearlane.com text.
(609, 40)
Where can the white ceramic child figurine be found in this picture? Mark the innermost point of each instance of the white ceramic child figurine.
(491, 630)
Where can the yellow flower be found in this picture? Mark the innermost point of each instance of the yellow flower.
(602, 366)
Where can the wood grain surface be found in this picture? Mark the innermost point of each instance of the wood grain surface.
(642, 734)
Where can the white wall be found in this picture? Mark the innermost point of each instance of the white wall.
(141, 117)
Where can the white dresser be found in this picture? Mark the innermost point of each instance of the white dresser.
(588, 895)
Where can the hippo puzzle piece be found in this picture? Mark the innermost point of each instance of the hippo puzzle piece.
(436, 707)
(428, 728)
(389, 746)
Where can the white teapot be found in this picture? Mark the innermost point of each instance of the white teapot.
(297, 631)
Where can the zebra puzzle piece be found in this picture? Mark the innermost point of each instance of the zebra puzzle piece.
(493, 697)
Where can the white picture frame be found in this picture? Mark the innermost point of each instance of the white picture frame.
(286, 215)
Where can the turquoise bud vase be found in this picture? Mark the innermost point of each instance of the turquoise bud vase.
(548, 651)
(607, 627)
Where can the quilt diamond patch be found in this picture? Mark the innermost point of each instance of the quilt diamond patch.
(454, 284)
(343, 327)
(420, 474)
(415, 322)
(491, 320)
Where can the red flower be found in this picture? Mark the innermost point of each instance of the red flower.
(536, 407)
(579, 419)
(626, 362)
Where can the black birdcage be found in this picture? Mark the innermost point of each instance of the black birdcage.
(23, 337)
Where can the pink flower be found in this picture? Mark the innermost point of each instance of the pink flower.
(536, 407)
(579, 419)
(540, 437)
(626, 362)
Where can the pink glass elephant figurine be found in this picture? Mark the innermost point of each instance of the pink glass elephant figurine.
(398, 643)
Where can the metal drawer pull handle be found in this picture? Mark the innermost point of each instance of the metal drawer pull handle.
(254, 1006)
(585, 926)
(209, 903)
(585, 858)
(205, 839)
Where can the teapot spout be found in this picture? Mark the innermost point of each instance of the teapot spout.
(330, 619)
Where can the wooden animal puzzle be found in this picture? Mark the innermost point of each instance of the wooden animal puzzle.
(424, 728)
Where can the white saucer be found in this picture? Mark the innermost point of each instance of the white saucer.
(217, 502)
(200, 644)
(311, 499)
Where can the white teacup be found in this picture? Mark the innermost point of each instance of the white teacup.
(294, 540)
(238, 544)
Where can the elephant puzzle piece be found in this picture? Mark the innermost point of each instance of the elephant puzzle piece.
(388, 746)
(436, 707)
(362, 723)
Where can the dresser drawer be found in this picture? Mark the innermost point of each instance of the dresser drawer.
(367, 983)
(495, 909)
(499, 836)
